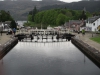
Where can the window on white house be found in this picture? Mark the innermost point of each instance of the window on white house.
(94, 24)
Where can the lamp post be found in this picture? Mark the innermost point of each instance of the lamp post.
(92, 33)
(97, 26)
(1, 22)
(69, 27)
(41, 25)
(0, 17)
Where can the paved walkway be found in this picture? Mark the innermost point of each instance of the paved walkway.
(86, 39)
(4, 38)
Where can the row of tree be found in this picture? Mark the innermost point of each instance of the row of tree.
(5, 16)
(56, 16)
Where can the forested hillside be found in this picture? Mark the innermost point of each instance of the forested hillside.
(20, 9)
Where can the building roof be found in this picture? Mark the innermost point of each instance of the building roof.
(7, 22)
(75, 22)
(93, 19)
(78, 22)
(0, 23)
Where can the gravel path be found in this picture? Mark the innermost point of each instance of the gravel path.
(86, 39)
(4, 38)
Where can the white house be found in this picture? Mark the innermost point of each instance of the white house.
(1, 26)
(7, 25)
(93, 23)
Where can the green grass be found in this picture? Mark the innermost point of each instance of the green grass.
(96, 39)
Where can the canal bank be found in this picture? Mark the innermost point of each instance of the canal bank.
(7, 42)
(87, 46)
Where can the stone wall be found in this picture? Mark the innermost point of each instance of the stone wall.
(91, 52)
(5, 48)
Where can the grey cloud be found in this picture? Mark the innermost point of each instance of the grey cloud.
(30, 0)
(17, 0)
(50, 0)
(90, 0)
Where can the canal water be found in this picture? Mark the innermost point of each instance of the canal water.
(58, 58)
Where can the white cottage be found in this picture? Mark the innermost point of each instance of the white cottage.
(1, 26)
(7, 25)
(93, 23)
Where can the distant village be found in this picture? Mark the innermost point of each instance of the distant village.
(92, 24)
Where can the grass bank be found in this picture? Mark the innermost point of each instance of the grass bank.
(96, 39)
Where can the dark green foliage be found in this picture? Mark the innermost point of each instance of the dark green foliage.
(5, 16)
(13, 24)
(61, 19)
(33, 13)
(46, 17)
(56, 16)
(29, 17)
(83, 15)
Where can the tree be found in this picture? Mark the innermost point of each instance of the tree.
(55, 17)
(34, 13)
(83, 15)
(5, 16)
(13, 24)
(29, 17)
(61, 19)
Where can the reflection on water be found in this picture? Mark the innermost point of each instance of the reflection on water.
(1, 68)
(62, 58)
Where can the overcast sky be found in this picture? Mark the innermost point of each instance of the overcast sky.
(66, 0)
(52, 0)
(70, 0)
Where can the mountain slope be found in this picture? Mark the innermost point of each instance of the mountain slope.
(19, 9)
(90, 6)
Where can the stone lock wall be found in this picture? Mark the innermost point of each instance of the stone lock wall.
(5, 48)
(91, 52)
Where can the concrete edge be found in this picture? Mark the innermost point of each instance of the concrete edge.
(91, 52)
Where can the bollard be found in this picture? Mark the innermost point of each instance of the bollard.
(52, 38)
(92, 34)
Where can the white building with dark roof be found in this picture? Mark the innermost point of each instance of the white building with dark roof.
(7, 25)
(92, 23)
(1, 26)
